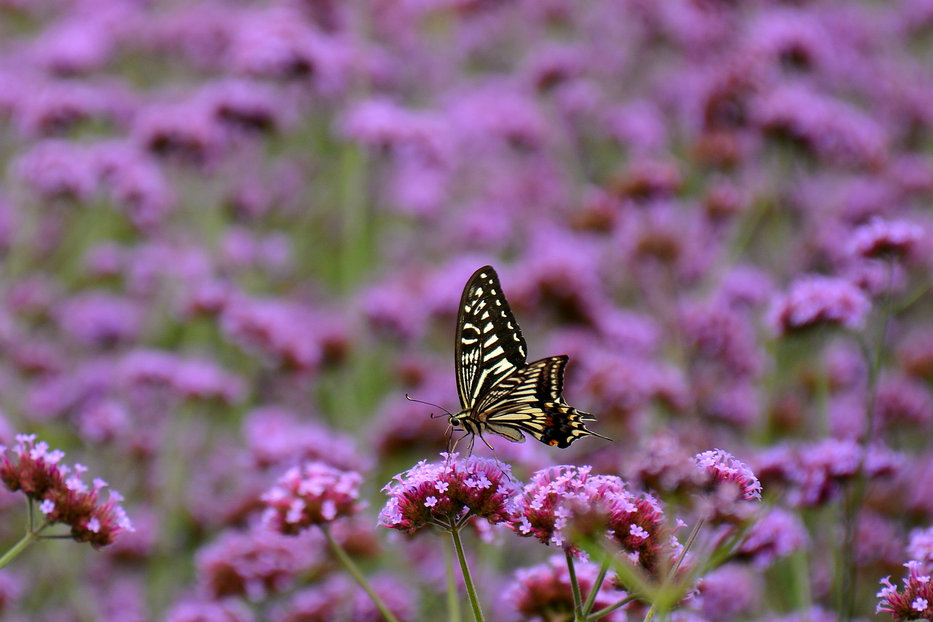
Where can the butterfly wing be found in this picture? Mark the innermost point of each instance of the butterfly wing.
(489, 345)
(530, 401)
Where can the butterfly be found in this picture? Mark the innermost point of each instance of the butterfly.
(499, 391)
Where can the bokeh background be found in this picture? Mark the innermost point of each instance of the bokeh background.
(234, 234)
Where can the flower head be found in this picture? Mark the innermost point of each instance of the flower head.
(544, 590)
(723, 467)
(819, 300)
(446, 493)
(915, 601)
(313, 493)
(62, 496)
(565, 501)
(879, 239)
(778, 534)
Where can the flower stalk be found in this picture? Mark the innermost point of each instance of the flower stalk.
(357, 575)
(467, 577)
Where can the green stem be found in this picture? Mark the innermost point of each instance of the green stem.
(30, 537)
(453, 603)
(467, 578)
(854, 506)
(607, 610)
(574, 587)
(597, 585)
(355, 572)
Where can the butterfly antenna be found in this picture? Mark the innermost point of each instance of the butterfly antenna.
(411, 399)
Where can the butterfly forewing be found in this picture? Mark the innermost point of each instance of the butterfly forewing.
(489, 344)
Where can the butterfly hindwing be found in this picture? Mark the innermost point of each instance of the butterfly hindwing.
(530, 401)
(489, 344)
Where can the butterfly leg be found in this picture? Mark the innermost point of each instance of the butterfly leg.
(495, 455)
(451, 449)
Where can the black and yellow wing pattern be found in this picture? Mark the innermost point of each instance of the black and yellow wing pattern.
(499, 391)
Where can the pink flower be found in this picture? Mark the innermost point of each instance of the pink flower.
(446, 493)
(566, 501)
(723, 467)
(543, 591)
(311, 494)
(914, 602)
(897, 239)
(819, 300)
(61, 494)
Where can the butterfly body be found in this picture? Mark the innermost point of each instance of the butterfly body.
(499, 391)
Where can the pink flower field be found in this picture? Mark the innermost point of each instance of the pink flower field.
(246, 374)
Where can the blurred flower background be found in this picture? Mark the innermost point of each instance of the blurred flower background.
(234, 235)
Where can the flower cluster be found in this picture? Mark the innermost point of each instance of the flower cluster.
(819, 301)
(562, 503)
(313, 493)
(915, 600)
(446, 493)
(61, 495)
(544, 590)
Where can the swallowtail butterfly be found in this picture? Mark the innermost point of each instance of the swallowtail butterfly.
(499, 391)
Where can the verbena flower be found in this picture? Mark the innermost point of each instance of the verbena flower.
(777, 534)
(819, 300)
(815, 473)
(914, 601)
(60, 494)
(564, 502)
(257, 562)
(730, 592)
(920, 546)
(339, 598)
(723, 468)
(544, 591)
(895, 239)
(312, 493)
(446, 493)
(227, 610)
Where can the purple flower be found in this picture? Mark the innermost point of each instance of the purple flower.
(896, 239)
(338, 598)
(257, 562)
(279, 437)
(61, 495)
(914, 601)
(564, 502)
(226, 610)
(544, 591)
(777, 534)
(829, 128)
(730, 592)
(311, 494)
(446, 493)
(58, 107)
(247, 106)
(814, 473)
(100, 319)
(135, 183)
(58, 169)
(283, 331)
(818, 300)
(920, 547)
(183, 130)
(723, 468)
(72, 46)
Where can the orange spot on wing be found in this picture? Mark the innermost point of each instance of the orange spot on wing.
(552, 442)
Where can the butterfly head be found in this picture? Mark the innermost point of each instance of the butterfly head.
(461, 421)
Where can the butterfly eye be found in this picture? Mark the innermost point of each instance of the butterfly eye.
(455, 422)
